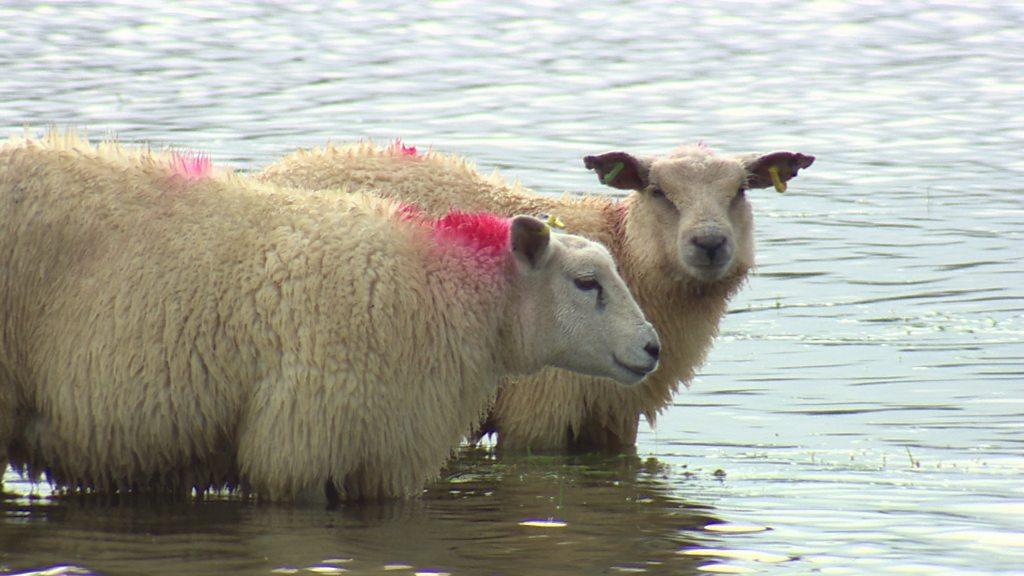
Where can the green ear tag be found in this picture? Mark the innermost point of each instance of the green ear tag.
(609, 177)
(554, 222)
(780, 186)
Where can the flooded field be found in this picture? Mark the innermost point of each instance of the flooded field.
(863, 409)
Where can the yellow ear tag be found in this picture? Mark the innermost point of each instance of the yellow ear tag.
(780, 186)
(555, 222)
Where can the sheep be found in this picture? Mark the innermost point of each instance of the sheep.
(682, 238)
(168, 326)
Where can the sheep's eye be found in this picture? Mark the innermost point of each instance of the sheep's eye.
(741, 193)
(587, 284)
(657, 193)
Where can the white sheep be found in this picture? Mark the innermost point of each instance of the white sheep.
(168, 326)
(683, 240)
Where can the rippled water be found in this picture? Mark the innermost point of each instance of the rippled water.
(865, 402)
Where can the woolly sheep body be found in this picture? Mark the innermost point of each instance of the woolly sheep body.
(555, 410)
(169, 331)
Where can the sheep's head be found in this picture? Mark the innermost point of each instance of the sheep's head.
(576, 311)
(690, 216)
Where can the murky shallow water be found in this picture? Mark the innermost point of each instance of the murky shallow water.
(866, 399)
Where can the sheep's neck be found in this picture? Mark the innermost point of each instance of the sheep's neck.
(515, 352)
(485, 275)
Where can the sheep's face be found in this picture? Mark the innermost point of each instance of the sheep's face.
(576, 311)
(690, 213)
(698, 210)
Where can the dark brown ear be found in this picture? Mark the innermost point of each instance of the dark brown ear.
(785, 165)
(530, 239)
(619, 170)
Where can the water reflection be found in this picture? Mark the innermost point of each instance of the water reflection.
(516, 515)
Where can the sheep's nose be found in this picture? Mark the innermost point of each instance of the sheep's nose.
(654, 349)
(709, 243)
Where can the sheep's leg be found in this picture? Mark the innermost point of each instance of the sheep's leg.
(379, 482)
(8, 414)
(301, 440)
(285, 439)
(595, 435)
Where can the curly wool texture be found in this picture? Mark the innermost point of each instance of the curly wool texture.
(553, 410)
(169, 332)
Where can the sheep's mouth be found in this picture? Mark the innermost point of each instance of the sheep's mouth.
(638, 371)
(709, 271)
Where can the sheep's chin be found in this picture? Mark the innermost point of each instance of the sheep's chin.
(707, 274)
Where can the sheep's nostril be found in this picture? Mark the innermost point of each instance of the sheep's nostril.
(653, 349)
(709, 243)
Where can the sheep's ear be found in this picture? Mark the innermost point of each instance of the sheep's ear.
(775, 169)
(619, 170)
(531, 240)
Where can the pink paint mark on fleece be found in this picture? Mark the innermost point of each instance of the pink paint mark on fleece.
(191, 165)
(486, 233)
(482, 233)
(398, 146)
